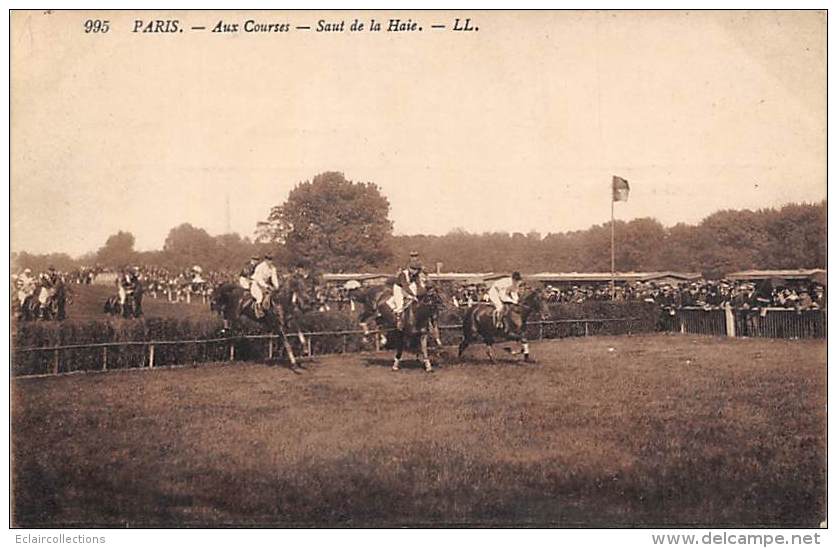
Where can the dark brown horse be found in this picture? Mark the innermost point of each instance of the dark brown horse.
(374, 307)
(233, 303)
(418, 323)
(479, 321)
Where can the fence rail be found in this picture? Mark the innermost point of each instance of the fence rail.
(132, 354)
(103, 356)
(769, 322)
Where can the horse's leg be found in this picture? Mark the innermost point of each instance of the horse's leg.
(399, 350)
(425, 357)
(290, 352)
(437, 334)
(463, 345)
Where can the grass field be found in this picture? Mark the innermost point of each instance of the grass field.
(660, 430)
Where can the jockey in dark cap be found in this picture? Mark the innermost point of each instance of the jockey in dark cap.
(407, 284)
(245, 277)
(127, 283)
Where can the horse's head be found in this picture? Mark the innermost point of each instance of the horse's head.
(433, 297)
(219, 298)
(301, 297)
(533, 304)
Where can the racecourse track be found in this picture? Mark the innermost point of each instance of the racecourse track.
(601, 431)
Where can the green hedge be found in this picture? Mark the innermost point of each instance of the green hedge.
(46, 334)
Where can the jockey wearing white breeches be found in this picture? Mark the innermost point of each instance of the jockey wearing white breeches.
(503, 291)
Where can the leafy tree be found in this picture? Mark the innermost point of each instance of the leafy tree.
(332, 223)
(187, 245)
(39, 263)
(118, 250)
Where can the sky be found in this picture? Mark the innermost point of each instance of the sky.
(518, 126)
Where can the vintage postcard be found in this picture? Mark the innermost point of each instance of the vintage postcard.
(418, 269)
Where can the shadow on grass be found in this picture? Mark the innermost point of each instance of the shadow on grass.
(414, 483)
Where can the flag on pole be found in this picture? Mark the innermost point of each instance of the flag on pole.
(620, 189)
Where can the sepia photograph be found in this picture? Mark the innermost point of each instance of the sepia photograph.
(418, 269)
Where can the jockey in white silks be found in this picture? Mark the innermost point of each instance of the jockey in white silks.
(265, 280)
(49, 284)
(503, 291)
(25, 286)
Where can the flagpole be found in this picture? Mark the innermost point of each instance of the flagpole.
(612, 253)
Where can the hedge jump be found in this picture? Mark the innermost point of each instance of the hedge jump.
(545, 329)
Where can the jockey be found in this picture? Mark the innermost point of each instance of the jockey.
(25, 286)
(126, 283)
(503, 291)
(49, 282)
(406, 286)
(245, 277)
(265, 280)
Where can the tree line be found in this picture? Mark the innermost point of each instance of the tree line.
(337, 225)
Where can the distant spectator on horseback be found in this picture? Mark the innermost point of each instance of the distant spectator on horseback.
(26, 285)
(245, 277)
(49, 284)
(407, 286)
(127, 283)
(502, 291)
(265, 280)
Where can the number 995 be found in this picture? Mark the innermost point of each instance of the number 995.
(96, 25)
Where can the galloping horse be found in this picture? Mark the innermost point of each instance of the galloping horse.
(233, 302)
(418, 322)
(479, 321)
(373, 301)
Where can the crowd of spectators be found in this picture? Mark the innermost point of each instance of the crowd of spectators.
(702, 294)
(177, 285)
(802, 295)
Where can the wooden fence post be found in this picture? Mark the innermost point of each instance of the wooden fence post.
(270, 348)
(308, 344)
(55, 363)
(345, 342)
(150, 355)
(377, 342)
(729, 319)
(104, 358)
(232, 352)
(540, 331)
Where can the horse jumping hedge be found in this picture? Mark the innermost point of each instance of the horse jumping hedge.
(201, 348)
